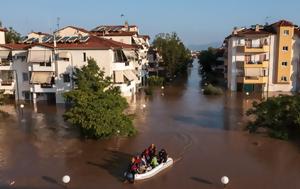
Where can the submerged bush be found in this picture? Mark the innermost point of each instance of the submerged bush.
(212, 90)
(155, 81)
(281, 115)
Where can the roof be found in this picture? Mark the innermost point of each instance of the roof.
(110, 28)
(282, 23)
(265, 30)
(121, 33)
(3, 29)
(15, 46)
(93, 43)
(144, 36)
(40, 33)
(76, 28)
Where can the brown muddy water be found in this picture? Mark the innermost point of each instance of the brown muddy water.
(203, 134)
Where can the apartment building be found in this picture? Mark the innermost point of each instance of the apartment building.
(263, 58)
(129, 34)
(41, 67)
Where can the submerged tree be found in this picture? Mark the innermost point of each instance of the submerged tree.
(97, 107)
(175, 55)
(281, 115)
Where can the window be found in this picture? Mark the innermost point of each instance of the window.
(42, 63)
(48, 64)
(284, 63)
(25, 76)
(119, 56)
(283, 78)
(84, 57)
(286, 32)
(285, 48)
(66, 78)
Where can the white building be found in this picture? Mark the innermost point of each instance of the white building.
(263, 58)
(129, 34)
(41, 69)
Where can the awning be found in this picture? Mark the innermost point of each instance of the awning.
(130, 54)
(4, 53)
(37, 56)
(130, 75)
(63, 55)
(41, 77)
(119, 77)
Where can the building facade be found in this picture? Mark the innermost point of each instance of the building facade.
(41, 66)
(263, 58)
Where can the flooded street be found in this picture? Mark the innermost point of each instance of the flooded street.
(204, 135)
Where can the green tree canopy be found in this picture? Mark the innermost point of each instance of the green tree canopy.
(175, 55)
(12, 36)
(97, 107)
(280, 114)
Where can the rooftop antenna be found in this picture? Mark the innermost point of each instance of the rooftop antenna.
(122, 16)
(57, 22)
(266, 20)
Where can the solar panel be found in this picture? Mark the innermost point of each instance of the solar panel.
(64, 39)
(23, 39)
(84, 39)
(73, 39)
(46, 39)
(58, 38)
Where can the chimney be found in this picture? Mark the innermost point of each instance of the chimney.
(126, 26)
(235, 31)
(257, 27)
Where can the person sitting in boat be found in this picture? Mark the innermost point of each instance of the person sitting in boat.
(147, 156)
(143, 165)
(154, 162)
(132, 170)
(152, 150)
(162, 156)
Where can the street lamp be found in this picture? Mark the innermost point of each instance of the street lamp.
(247, 93)
(162, 87)
(22, 107)
(225, 181)
(144, 106)
(66, 179)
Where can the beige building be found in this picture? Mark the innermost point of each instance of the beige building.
(263, 58)
(41, 67)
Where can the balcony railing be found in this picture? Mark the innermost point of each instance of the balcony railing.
(252, 79)
(5, 62)
(253, 48)
(7, 82)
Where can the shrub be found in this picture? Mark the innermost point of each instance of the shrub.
(211, 90)
(155, 81)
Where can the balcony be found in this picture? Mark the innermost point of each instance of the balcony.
(43, 88)
(43, 67)
(253, 49)
(252, 79)
(5, 65)
(122, 66)
(7, 85)
(258, 64)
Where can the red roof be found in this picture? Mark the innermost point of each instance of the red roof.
(144, 36)
(283, 23)
(122, 33)
(93, 43)
(41, 33)
(3, 29)
(15, 46)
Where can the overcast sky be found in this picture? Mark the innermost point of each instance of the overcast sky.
(196, 21)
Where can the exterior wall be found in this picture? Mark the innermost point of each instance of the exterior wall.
(274, 70)
(2, 37)
(69, 31)
(284, 56)
(122, 39)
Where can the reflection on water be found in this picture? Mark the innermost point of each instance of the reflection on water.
(202, 133)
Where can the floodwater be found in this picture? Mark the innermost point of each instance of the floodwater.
(204, 134)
